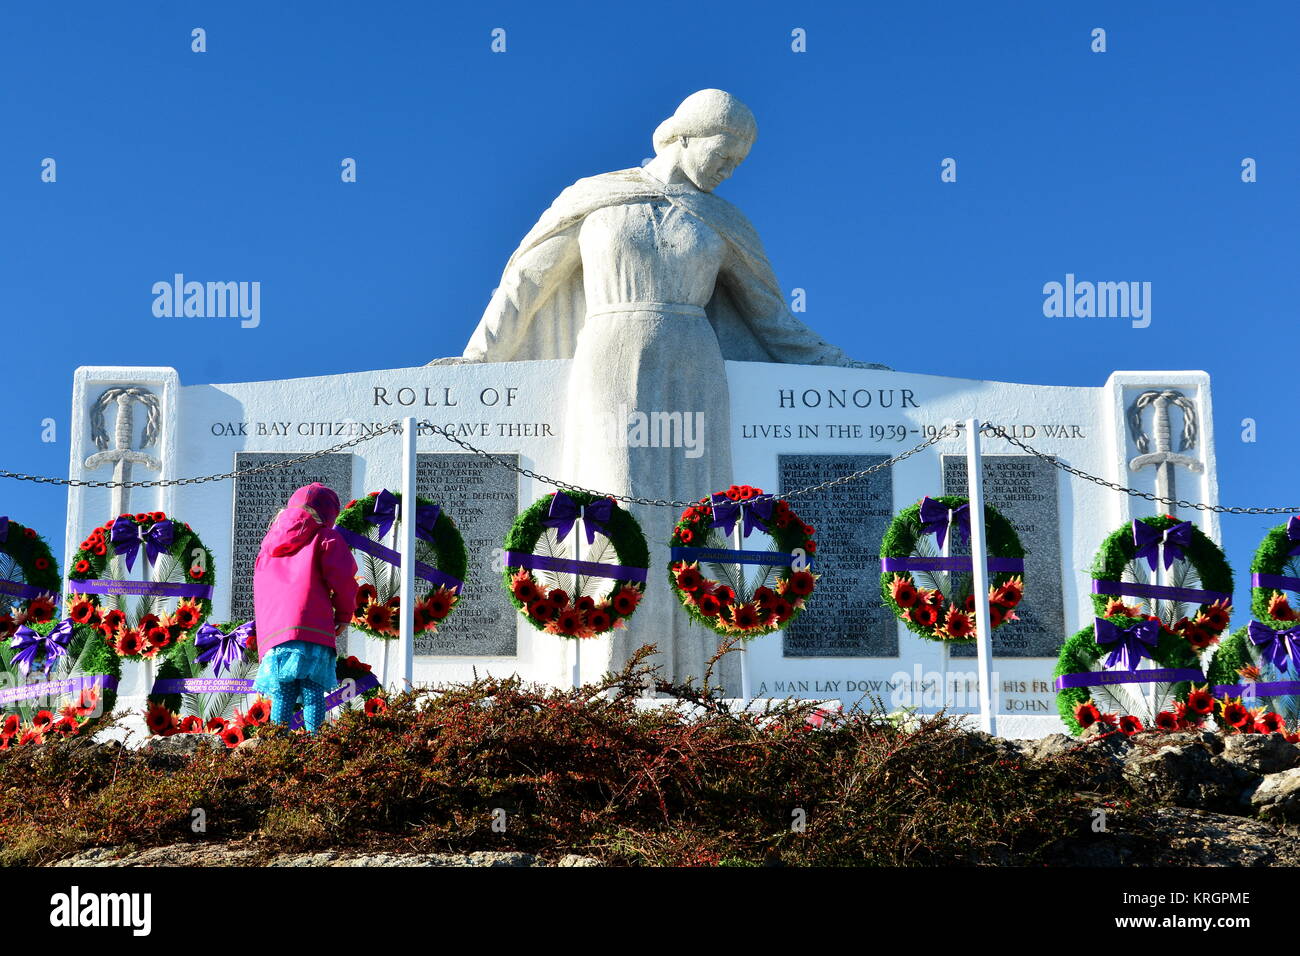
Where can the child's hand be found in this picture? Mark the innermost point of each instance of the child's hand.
(338, 631)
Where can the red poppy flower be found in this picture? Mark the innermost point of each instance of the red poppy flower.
(782, 610)
(440, 602)
(1199, 637)
(599, 619)
(801, 583)
(159, 637)
(31, 737)
(29, 533)
(558, 596)
(968, 605)
(958, 623)
(376, 706)
(924, 615)
(1166, 721)
(725, 594)
(113, 618)
(733, 493)
(41, 564)
(158, 719)
(10, 726)
(997, 615)
(764, 595)
(65, 726)
(1011, 592)
(685, 535)
(259, 711)
(903, 591)
(543, 611)
(87, 701)
(810, 546)
(1269, 723)
(1129, 725)
(585, 603)
(40, 609)
(708, 605)
(567, 622)
(1086, 714)
(1200, 701)
(232, 737)
(625, 601)
(689, 578)
(1216, 616)
(82, 566)
(524, 588)
(130, 642)
(1279, 608)
(100, 550)
(187, 615)
(378, 617)
(197, 572)
(1235, 715)
(82, 611)
(191, 724)
(215, 724)
(745, 616)
(42, 720)
(1107, 720)
(365, 594)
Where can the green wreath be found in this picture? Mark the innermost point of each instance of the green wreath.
(1239, 660)
(181, 576)
(439, 553)
(1080, 655)
(29, 578)
(69, 697)
(1202, 567)
(551, 594)
(939, 605)
(717, 593)
(195, 710)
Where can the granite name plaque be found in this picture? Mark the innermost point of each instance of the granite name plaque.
(845, 617)
(483, 499)
(258, 497)
(1025, 490)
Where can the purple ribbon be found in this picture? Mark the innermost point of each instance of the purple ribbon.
(222, 650)
(27, 645)
(1159, 675)
(1277, 688)
(957, 562)
(426, 571)
(1176, 539)
(144, 588)
(1275, 646)
(126, 539)
(564, 511)
(57, 688)
(755, 513)
(1131, 643)
(1134, 589)
(728, 556)
(202, 685)
(25, 591)
(1292, 533)
(388, 508)
(936, 516)
(539, 562)
(1278, 581)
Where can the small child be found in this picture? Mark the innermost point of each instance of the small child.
(304, 593)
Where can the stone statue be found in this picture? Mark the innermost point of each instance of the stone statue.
(649, 282)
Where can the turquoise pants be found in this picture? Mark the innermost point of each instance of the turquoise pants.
(286, 694)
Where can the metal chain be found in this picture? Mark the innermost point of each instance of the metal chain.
(1000, 431)
(269, 466)
(426, 426)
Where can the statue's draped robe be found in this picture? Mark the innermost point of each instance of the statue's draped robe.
(645, 356)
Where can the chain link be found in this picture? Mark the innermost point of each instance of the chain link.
(429, 428)
(1000, 432)
(269, 466)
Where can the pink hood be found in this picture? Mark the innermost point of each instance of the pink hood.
(304, 579)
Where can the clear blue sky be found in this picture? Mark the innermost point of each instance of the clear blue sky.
(1123, 165)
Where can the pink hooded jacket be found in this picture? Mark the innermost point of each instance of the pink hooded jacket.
(304, 578)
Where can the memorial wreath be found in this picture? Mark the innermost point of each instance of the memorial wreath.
(58, 677)
(441, 560)
(175, 598)
(560, 587)
(708, 576)
(930, 591)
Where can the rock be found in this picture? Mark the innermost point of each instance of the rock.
(1053, 745)
(1184, 770)
(177, 749)
(1277, 797)
(1261, 753)
(244, 747)
(573, 859)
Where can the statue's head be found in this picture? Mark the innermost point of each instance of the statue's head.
(708, 136)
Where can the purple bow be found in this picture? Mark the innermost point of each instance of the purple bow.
(757, 513)
(27, 645)
(388, 509)
(935, 518)
(1176, 539)
(1132, 643)
(222, 650)
(1276, 646)
(126, 539)
(1292, 533)
(565, 511)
